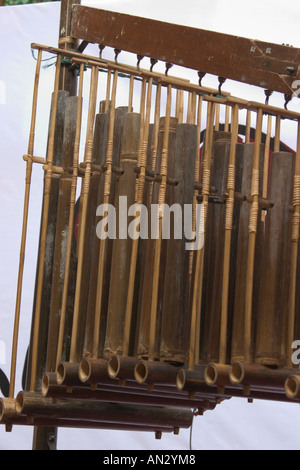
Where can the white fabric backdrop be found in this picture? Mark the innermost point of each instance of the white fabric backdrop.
(234, 424)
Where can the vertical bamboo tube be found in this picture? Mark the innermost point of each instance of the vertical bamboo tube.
(277, 134)
(107, 189)
(42, 251)
(122, 245)
(71, 219)
(100, 148)
(276, 253)
(175, 314)
(295, 258)
(61, 235)
(252, 236)
(245, 155)
(30, 151)
(228, 231)
(161, 200)
(248, 127)
(142, 163)
(76, 346)
(198, 276)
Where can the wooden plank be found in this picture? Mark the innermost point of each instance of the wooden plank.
(270, 66)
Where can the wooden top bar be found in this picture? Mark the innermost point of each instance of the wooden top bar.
(270, 66)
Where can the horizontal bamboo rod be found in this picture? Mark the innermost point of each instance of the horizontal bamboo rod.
(292, 387)
(217, 374)
(177, 83)
(154, 372)
(259, 375)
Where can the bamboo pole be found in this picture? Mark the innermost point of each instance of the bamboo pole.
(30, 152)
(71, 218)
(74, 352)
(198, 277)
(161, 200)
(294, 254)
(47, 188)
(107, 185)
(252, 237)
(228, 231)
(142, 163)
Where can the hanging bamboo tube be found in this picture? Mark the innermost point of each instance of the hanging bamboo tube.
(274, 282)
(107, 189)
(29, 155)
(46, 202)
(76, 347)
(228, 231)
(139, 193)
(121, 254)
(266, 162)
(61, 235)
(252, 237)
(161, 200)
(277, 134)
(294, 257)
(175, 311)
(198, 276)
(245, 155)
(75, 163)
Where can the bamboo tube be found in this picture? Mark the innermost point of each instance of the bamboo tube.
(161, 200)
(30, 152)
(61, 235)
(122, 368)
(275, 282)
(92, 370)
(294, 256)
(100, 147)
(248, 127)
(252, 237)
(245, 155)
(149, 245)
(46, 202)
(277, 134)
(76, 346)
(140, 185)
(267, 161)
(107, 188)
(122, 246)
(198, 276)
(292, 387)
(108, 412)
(217, 374)
(67, 374)
(228, 231)
(174, 340)
(155, 372)
(71, 220)
(255, 375)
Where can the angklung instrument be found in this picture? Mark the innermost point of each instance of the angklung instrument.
(135, 332)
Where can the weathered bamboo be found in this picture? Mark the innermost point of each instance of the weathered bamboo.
(292, 387)
(155, 372)
(253, 220)
(36, 405)
(107, 188)
(161, 200)
(245, 155)
(122, 368)
(139, 193)
(217, 374)
(92, 370)
(30, 152)
(71, 220)
(198, 273)
(122, 245)
(175, 312)
(76, 346)
(274, 282)
(256, 375)
(46, 202)
(228, 236)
